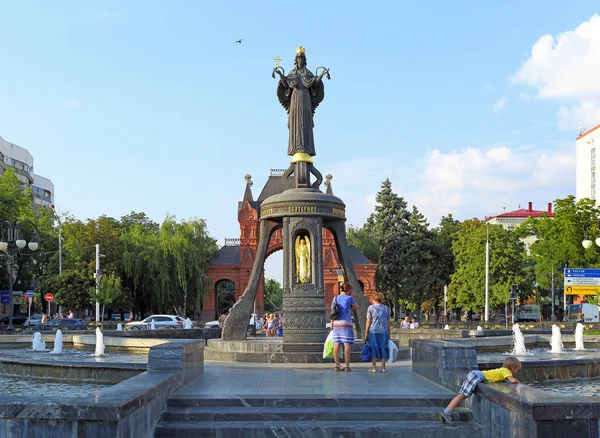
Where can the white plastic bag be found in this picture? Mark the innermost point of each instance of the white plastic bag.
(328, 347)
(393, 352)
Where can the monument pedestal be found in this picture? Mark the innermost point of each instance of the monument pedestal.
(301, 213)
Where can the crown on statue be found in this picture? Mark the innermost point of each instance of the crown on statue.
(300, 50)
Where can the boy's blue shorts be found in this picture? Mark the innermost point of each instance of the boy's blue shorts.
(473, 379)
(279, 331)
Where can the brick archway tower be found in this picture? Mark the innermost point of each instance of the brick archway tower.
(235, 259)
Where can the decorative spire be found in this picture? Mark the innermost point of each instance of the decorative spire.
(328, 179)
(248, 192)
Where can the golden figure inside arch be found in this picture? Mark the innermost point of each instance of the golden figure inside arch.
(302, 259)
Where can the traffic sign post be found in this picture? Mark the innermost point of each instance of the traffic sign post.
(49, 298)
(582, 281)
(5, 297)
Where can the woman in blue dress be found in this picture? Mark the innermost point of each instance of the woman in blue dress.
(378, 332)
(343, 327)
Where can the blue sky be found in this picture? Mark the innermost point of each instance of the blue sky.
(468, 107)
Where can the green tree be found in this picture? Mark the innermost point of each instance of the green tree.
(388, 225)
(507, 260)
(109, 291)
(366, 242)
(273, 295)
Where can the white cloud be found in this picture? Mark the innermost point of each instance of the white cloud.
(565, 68)
(499, 106)
(472, 182)
(476, 183)
(71, 103)
(488, 87)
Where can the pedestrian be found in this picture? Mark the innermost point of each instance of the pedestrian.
(70, 314)
(221, 319)
(44, 319)
(343, 328)
(405, 323)
(280, 326)
(509, 368)
(378, 329)
(130, 317)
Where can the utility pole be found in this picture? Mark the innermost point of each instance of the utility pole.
(487, 274)
(59, 252)
(97, 276)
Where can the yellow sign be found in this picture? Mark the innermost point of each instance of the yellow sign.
(582, 290)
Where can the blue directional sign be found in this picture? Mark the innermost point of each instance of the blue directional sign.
(5, 297)
(582, 272)
(30, 293)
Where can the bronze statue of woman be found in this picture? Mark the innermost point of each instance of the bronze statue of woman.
(300, 92)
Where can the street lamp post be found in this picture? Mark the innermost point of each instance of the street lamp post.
(487, 274)
(11, 243)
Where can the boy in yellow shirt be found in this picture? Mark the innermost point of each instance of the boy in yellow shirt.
(510, 366)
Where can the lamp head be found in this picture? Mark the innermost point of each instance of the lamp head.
(3, 246)
(587, 244)
(33, 246)
(21, 243)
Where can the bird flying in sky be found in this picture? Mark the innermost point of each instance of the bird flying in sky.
(239, 41)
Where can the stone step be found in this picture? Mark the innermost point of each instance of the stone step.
(362, 414)
(317, 429)
(310, 400)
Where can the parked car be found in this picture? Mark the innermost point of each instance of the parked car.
(583, 312)
(529, 312)
(17, 320)
(117, 316)
(63, 324)
(34, 320)
(254, 324)
(160, 321)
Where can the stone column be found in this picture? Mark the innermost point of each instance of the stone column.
(303, 303)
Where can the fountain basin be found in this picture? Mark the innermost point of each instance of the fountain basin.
(43, 387)
(518, 408)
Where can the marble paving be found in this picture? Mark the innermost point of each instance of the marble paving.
(237, 379)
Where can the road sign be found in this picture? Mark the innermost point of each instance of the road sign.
(582, 272)
(582, 281)
(30, 293)
(99, 272)
(581, 290)
(5, 297)
(49, 297)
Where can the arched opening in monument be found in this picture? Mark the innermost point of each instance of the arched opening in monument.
(273, 298)
(224, 296)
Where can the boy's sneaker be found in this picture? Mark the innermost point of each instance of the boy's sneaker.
(447, 418)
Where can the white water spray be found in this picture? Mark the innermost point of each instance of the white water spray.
(446, 327)
(479, 328)
(187, 324)
(152, 325)
(579, 337)
(556, 342)
(119, 327)
(518, 341)
(99, 342)
(58, 343)
(37, 344)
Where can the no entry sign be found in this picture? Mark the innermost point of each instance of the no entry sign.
(49, 297)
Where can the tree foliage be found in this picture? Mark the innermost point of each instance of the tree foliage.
(273, 295)
(506, 267)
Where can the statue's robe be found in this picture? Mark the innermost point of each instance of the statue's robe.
(300, 94)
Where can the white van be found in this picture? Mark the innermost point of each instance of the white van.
(528, 312)
(584, 312)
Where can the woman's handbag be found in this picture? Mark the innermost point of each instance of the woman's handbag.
(335, 311)
(365, 354)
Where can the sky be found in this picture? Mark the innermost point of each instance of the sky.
(470, 108)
